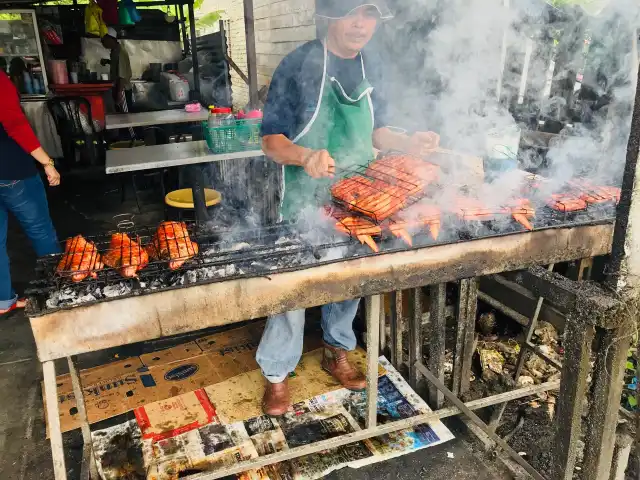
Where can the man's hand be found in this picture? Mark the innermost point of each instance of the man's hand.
(423, 143)
(318, 164)
(105, 61)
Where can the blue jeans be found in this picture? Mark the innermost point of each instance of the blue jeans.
(27, 201)
(280, 348)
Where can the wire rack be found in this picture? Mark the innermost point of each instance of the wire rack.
(151, 258)
(380, 189)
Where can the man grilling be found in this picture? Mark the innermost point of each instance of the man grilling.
(324, 111)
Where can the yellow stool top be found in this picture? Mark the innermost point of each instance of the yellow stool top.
(183, 198)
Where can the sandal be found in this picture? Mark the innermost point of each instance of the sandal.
(20, 303)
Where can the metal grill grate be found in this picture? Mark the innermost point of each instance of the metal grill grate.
(384, 187)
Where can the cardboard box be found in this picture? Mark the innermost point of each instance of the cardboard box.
(125, 385)
(174, 416)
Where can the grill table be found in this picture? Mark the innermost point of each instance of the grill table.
(65, 333)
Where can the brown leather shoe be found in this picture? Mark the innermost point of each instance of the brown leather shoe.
(276, 398)
(334, 361)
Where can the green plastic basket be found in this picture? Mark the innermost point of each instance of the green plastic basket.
(244, 135)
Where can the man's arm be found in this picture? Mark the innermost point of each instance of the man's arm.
(420, 143)
(280, 123)
(317, 163)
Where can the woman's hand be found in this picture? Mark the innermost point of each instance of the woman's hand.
(423, 143)
(52, 175)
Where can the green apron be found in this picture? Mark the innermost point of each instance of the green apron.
(341, 124)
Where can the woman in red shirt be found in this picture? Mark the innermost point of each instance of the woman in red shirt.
(21, 190)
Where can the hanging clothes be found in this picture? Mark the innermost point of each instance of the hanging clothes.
(109, 11)
(93, 22)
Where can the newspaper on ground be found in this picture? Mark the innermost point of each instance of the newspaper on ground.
(122, 451)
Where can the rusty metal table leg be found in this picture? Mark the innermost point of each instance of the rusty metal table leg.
(53, 420)
(573, 389)
(88, 469)
(397, 326)
(608, 373)
(436, 343)
(373, 343)
(524, 350)
(415, 336)
(383, 325)
(466, 322)
(476, 420)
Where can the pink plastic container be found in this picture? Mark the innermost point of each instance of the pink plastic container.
(59, 72)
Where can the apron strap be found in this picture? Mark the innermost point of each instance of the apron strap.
(306, 129)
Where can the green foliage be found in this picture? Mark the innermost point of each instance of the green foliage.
(208, 20)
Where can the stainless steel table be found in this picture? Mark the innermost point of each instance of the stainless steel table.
(145, 119)
(171, 155)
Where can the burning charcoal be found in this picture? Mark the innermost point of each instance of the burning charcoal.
(86, 298)
(261, 266)
(282, 240)
(192, 276)
(53, 301)
(111, 291)
(176, 281)
(240, 246)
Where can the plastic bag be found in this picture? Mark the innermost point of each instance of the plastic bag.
(128, 13)
(93, 23)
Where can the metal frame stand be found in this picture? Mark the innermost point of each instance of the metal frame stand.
(373, 320)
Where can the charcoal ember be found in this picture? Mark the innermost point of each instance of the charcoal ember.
(260, 266)
(117, 290)
(191, 276)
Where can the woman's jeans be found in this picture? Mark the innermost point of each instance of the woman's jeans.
(27, 201)
(281, 344)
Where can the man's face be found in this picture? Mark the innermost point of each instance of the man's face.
(354, 31)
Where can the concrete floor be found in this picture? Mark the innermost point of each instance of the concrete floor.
(24, 450)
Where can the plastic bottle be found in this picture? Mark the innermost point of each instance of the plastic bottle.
(211, 120)
(221, 117)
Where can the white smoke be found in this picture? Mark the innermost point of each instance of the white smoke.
(450, 60)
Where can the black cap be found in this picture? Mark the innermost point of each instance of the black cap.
(335, 9)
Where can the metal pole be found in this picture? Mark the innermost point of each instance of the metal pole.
(195, 94)
(183, 28)
(252, 62)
